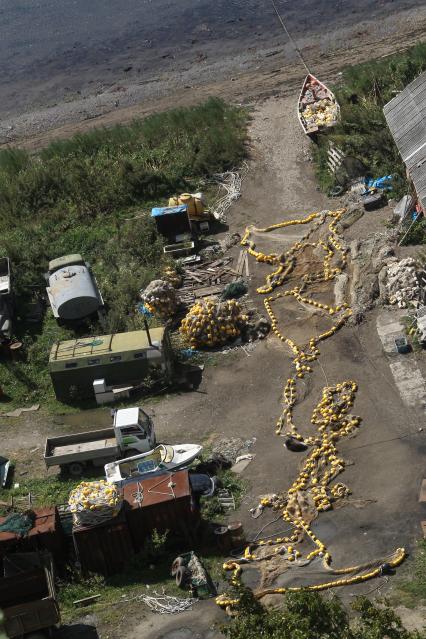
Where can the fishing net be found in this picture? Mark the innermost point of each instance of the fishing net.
(18, 523)
(94, 502)
(234, 289)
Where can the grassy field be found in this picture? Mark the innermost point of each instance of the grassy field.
(77, 195)
(363, 133)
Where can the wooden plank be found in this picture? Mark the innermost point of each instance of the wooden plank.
(86, 601)
(247, 265)
(208, 290)
(422, 496)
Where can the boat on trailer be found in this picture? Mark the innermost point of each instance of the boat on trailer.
(318, 108)
(161, 458)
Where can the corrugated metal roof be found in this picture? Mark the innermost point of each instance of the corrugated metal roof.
(118, 342)
(406, 119)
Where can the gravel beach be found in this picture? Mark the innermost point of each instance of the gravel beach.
(66, 66)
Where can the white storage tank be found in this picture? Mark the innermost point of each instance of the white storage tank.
(73, 291)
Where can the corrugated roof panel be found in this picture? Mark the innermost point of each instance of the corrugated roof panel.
(406, 118)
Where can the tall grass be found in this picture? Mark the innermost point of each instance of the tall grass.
(76, 196)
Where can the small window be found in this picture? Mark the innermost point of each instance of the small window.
(71, 365)
(139, 355)
(115, 358)
(93, 362)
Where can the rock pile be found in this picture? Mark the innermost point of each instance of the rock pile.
(402, 283)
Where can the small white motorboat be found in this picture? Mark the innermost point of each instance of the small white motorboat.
(161, 458)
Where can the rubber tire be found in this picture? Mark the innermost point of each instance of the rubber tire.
(75, 469)
(178, 562)
(182, 576)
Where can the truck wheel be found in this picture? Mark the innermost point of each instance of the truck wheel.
(182, 576)
(178, 562)
(75, 469)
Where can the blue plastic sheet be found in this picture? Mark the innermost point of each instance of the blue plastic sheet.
(384, 183)
(144, 311)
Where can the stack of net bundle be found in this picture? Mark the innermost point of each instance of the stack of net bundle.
(160, 298)
(172, 276)
(94, 502)
(321, 112)
(210, 323)
(402, 284)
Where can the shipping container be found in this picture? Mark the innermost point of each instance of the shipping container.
(103, 549)
(46, 534)
(163, 502)
(27, 594)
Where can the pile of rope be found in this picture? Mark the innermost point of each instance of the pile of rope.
(160, 298)
(230, 182)
(94, 502)
(331, 418)
(210, 323)
(166, 604)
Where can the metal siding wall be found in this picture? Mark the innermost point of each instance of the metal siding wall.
(104, 549)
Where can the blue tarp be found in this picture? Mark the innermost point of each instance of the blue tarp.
(384, 183)
(169, 210)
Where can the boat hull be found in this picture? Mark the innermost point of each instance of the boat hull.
(318, 108)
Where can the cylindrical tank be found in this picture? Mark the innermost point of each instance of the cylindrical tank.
(73, 292)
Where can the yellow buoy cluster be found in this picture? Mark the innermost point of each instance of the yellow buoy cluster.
(210, 323)
(320, 113)
(160, 299)
(331, 418)
(94, 501)
(172, 276)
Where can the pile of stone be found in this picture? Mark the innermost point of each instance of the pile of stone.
(402, 284)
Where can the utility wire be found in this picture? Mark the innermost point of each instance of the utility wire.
(296, 48)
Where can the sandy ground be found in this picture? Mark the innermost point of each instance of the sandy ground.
(241, 396)
(62, 75)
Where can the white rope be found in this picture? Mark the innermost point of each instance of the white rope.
(230, 182)
(166, 604)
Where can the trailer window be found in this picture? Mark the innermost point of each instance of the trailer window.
(139, 355)
(115, 358)
(71, 365)
(93, 362)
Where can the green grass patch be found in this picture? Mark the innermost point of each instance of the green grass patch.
(77, 195)
(411, 583)
(45, 491)
(363, 133)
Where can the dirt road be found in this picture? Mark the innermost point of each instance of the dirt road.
(240, 395)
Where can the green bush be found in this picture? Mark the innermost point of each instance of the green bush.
(308, 615)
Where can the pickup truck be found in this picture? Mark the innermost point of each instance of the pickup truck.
(132, 433)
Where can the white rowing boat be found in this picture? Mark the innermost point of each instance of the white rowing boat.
(159, 459)
(317, 108)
